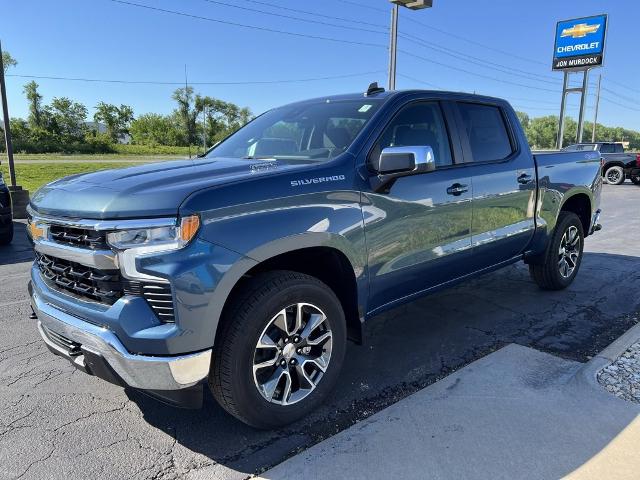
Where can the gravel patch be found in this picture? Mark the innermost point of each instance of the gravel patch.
(622, 377)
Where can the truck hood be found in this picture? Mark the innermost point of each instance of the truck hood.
(148, 190)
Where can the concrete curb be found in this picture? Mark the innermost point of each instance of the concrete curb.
(589, 372)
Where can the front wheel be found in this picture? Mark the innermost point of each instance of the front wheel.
(635, 179)
(614, 175)
(564, 254)
(280, 349)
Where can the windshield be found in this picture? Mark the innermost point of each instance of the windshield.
(314, 132)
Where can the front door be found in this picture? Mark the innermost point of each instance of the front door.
(418, 231)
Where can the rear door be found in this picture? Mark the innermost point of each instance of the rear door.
(418, 231)
(504, 183)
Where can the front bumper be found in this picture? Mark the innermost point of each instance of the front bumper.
(90, 348)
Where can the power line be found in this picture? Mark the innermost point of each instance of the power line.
(320, 15)
(157, 82)
(501, 80)
(420, 81)
(623, 97)
(483, 63)
(621, 85)
(361, 5)
(252, 27)
(291, 17)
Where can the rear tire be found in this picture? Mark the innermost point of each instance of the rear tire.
(635, 179)
(267, 369)
(563, 256)
(7, 236)
(614, 175)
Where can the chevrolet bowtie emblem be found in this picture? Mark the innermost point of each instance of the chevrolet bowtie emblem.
(580, 30)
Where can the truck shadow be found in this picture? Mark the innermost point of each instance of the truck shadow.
(419, 343)
(19, 250)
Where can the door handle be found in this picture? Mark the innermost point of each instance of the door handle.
(524, 178)
(457, 189)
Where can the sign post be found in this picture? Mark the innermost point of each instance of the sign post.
(579, 46)
(393, 41)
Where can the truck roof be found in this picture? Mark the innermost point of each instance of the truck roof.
(387, 96)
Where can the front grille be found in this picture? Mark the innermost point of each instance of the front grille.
(78, 237)
(104, 286)
(71, 347)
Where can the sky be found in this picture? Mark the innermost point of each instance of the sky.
(499, 47)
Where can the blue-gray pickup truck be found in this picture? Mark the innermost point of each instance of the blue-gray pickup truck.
(250, 268)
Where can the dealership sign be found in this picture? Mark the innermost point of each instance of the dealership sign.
(580, 43)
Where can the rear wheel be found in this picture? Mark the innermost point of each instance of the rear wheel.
(635, 179)
(7, 235)
(614, 175)
(564, 254)
(280, 349)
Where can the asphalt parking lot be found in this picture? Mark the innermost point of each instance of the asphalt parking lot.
(59, 423)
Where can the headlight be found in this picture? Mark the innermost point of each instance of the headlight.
(135, 242)
(156, 238)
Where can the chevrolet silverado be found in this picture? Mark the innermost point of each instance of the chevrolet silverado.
(250, 268)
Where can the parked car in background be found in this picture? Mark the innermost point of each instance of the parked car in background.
(6, 219)
(248, 269)
(618, 165)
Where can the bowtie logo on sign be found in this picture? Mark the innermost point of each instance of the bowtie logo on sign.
(579, 31)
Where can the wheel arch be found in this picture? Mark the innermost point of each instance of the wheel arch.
(580, 204)
(317, 255)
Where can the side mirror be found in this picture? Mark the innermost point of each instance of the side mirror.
(395, 162)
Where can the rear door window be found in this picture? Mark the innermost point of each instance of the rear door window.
(487, 132)
(607, 148)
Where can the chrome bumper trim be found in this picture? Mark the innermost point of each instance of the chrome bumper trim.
(100, 259)
(137, 371)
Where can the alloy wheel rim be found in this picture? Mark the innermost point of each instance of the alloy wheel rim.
(292, 354)
(613, 176)
(569, 252)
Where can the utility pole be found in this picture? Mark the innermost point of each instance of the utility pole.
(7, 126)
(393, 40)
(204, 128)
(595, 119)
(19, 197)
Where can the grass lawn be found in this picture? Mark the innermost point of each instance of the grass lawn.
(32, 177)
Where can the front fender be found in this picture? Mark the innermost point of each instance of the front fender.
(260, 231)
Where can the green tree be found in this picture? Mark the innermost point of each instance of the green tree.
(116, 119)
(155, 129)
(36, 113)
(524, 119)
(186, 114)
(8, 61)
(67, 119)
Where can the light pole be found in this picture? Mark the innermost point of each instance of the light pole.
(393, 42)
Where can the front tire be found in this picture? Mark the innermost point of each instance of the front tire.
(280, 349)
(635, 179)
(563, 256)
(614, 175)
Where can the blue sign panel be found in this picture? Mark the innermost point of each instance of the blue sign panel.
(580, 43)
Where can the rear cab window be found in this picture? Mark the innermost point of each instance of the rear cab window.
(487, 131)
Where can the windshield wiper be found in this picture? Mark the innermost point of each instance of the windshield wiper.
(259, 158)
